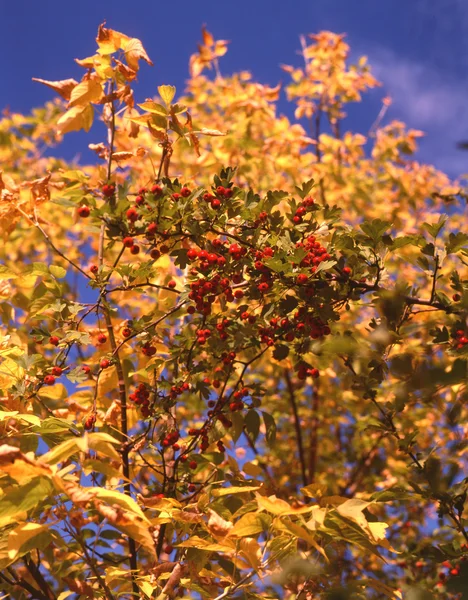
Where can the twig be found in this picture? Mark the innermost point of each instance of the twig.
(297, 425)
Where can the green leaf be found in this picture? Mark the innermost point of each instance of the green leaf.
(270, 427)
(57, 272)
(375, 228)
(457, 241)
(252, 424)
(22, 498)
(435, 229)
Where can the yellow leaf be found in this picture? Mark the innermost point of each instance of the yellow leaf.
(63, 87)
(276, 506)
(167, 93)
(250, 524)
(234, 490)
(153, 107)
(22, 534)
(85, 92)
(251, 551)
(302, 533)
(217, 526)
(78, 117)
(19, 466)
(133, 52)
(110, 41)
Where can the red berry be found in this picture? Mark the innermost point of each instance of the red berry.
(302, 278)
(139, 200)
(168, 549)
(54, 340)
(347, 271)
(215, 204)
(185, 192)
(86, 369)
(89, 422)
(135, 249)
(175, 196)
(152, 228)
(102, 338)
(172, 284)
(126, 332)
(49, 380)
(156, 190)
(57, 371)
(127, 242)
(193, 464)
(84, 211)
(155, 254)
(238, 294)
(94, 269)
(220, 190)
(456, 297)
(108, 190)
(132, 214)
(192, 487)
(104, 363)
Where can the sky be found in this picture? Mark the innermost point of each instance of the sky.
(418, 49)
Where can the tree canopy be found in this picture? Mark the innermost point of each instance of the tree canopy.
(233, 349)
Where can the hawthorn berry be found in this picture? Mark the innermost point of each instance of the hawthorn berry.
(57, 371)
(155, 254)
(171, 284)
(94, 269)
(108, 190)
(132, 214)
(156, 190)
(456, 297)
(185, 192)
(49, 380)
(102, 338)
(193, 464)
(127, 242)
(135, 249)
(84, 211)
(54, 340)
(104, 363)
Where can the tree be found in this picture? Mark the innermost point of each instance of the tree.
(234, 351)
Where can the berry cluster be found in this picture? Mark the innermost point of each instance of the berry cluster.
(460, 339)
(302, 209)
(141, 398)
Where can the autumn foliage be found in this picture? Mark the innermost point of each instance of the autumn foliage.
(233, 350)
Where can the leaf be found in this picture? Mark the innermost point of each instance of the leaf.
(78, 117)
(153, 107)
(58, 272)
(63, 87)
(250, 524)
(85, 92)
(110, 41)
(167, 93)
(274, 505)
(25, 537)
(20, 467)
(228, 491)
(457, 241)
(435, 228)
(134, 51)
(22, 498)
(303, 534)
(270, 426)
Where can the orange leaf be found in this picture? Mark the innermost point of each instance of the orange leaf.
(63, 87)
(133, 52)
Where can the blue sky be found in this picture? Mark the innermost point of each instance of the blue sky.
(419, 49)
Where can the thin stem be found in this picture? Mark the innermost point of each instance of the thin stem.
(297, 425)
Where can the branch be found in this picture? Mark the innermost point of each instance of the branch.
(297, 426)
